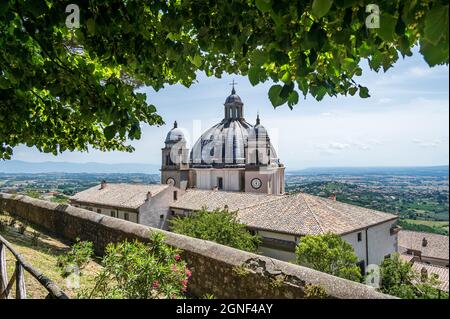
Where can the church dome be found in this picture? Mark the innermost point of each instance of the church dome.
(225, 144)
(233, 98)
(175, 134)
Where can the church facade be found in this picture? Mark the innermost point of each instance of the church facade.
(233, 155)
(233, 166)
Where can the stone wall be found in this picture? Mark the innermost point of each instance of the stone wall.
(216, 269)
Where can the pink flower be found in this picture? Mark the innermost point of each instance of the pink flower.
(188, 273)
(174, 296)
(155, 284)
(184, 282)
(174, 267)
(184, 289)
(177, 257)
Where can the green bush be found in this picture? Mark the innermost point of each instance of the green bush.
(399, 279)
(137, 270)
(329, 253)
(79, 255)
(2, 226)
(22, 227)
(220, 226)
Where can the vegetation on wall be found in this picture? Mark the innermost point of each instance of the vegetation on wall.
(220, 226)
(328, 253)
(67, 89)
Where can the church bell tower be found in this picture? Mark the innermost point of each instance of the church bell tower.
(175, 159)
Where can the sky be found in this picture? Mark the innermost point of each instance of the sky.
(405, 122)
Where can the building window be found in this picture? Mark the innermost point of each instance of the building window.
(359, 236)
(175, 195)
(126, 216)
(172, 212)
(99, 210)
(113, 213)
(387, 256)
(219, 182)
(161, 216)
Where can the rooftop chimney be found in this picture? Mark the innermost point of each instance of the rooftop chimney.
(424, 242)
(103, 184)
(215, 188)
(149, 195)
(423, 274)
(332, 197)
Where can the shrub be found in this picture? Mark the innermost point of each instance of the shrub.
(399, 279)
(35, 238)
(79, 255)
(2, 226)
(220, 226)
(329, 253)
(22, 227)
(12, 222)
(139, 270)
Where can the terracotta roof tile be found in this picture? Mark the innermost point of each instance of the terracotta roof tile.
(437, 245)
(130, 196)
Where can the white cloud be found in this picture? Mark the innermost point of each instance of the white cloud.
(428, 143)
(417, 71)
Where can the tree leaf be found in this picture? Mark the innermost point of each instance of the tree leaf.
(254, 75)
(363, 92)
(436, 22)
(292, 99)
(387, 27)
(274, 95)
(264, 5)
(321, 7)
(110, 132)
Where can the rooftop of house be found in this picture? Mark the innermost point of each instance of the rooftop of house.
(441, 272)
(297, 214)
(303, 214)
(121, 195)
(430, 245)
(196, 199)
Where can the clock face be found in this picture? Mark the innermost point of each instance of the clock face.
(256, 183)
(170, 181)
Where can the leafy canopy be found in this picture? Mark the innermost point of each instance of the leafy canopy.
(67, 89)
(328, 253)
(220, 226)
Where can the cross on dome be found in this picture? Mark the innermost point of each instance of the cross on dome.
(233, 91)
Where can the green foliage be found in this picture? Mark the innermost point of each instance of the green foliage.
(67, 89)
(79, 255)
(423, 228)
(315, 292)
(33, 193)
(399, 279)
(136, 270)
(328, 253)
(3, 226)
(35, 237)
(241, 271)
(21, 227)
(220, 226)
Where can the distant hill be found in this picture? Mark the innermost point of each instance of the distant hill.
(417, 171)
(14, 166)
